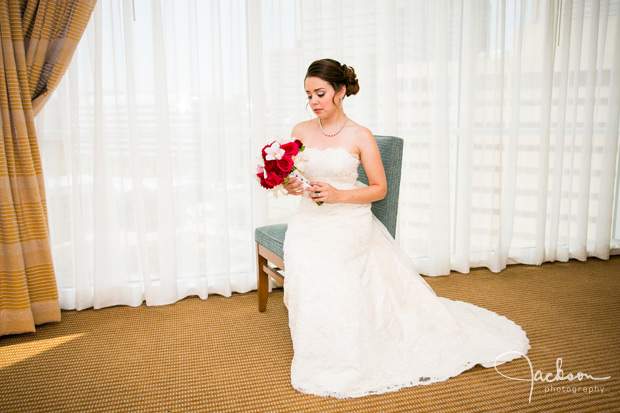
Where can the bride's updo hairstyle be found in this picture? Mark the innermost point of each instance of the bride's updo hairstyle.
(335, 74)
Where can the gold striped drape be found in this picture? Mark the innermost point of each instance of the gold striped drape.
(38, 38)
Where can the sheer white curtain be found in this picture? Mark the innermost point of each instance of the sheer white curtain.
(147, 157)
(509, 111)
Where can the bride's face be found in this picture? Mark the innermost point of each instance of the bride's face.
(321, 97)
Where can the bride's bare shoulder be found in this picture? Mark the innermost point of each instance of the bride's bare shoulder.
(361, 134)
(300, 130)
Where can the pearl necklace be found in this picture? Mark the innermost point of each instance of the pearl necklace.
(337, 132)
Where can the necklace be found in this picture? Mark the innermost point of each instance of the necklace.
(335, 133)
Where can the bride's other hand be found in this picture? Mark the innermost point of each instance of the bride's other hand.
(322, 192)
(293, 187)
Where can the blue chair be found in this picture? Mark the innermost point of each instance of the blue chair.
(270, 239)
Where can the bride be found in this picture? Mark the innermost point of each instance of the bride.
(362, 320)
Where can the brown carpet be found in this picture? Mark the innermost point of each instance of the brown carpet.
(222, 355)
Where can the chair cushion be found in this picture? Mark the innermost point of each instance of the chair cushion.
(271, 237)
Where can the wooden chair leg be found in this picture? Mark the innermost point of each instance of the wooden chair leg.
(262, 282)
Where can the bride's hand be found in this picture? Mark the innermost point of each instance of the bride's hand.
(293, 187)
(322, 192)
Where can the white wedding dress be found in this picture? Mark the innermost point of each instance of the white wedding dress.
(362, 320)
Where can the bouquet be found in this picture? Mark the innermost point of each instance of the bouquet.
(280, 161)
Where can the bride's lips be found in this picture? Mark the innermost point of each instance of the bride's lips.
(317, 110)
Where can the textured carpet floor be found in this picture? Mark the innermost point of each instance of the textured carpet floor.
(222, 355)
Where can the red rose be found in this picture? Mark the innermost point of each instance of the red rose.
(261, 178)
(285, 164)
(273, 179)
(291, 148)
(271, 165)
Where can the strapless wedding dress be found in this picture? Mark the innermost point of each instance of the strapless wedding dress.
(362, 320)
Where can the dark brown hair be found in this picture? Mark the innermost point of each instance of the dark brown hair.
(335, 74)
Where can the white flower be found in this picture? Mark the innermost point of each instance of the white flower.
(274, 152)
(260, 169)
(300, 162)
(282, 141)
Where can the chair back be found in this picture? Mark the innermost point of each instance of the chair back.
(386, 210)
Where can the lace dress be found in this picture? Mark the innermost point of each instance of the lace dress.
(362, 320)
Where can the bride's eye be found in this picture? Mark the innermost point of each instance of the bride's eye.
(320, 95)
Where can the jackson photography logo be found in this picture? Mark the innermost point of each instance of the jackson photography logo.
(559, 377)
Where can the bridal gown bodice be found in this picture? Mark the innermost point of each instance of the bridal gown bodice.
(362, 320)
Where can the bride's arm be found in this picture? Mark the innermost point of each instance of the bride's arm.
(377, 185)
